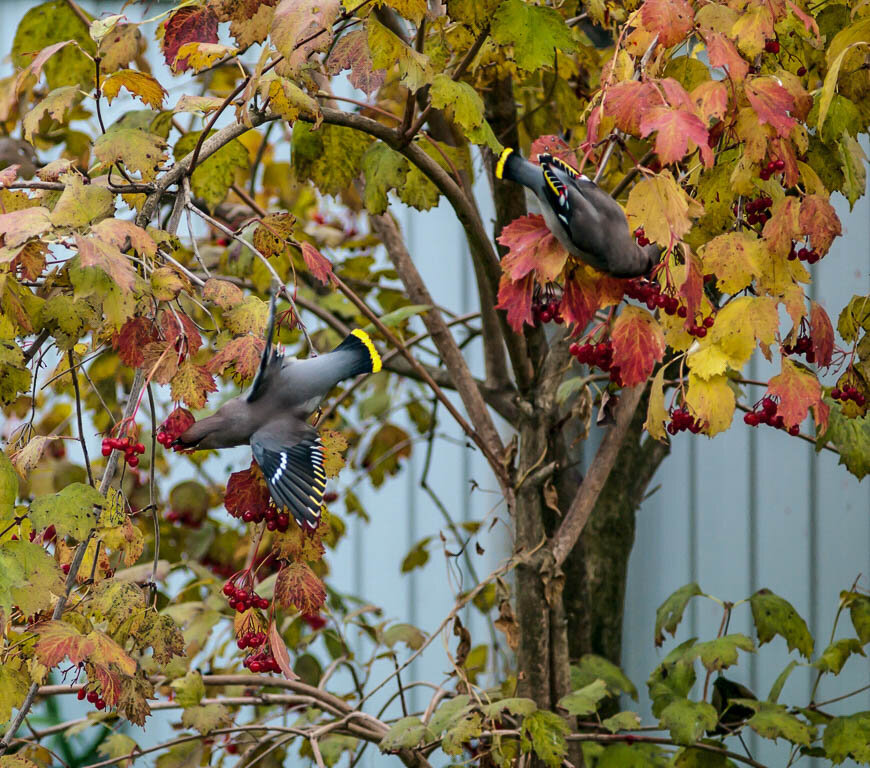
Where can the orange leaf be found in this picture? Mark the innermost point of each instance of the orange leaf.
(723, 53)
(242, 355)
(192, 383)
(531, 247)
(628, 102)
(279, 651)
(131, 340)
(638, 344)
(819, 220)
(107, 651)
(587, 290)
(782, 228)
(692, 289)
(57, 640)
(297, 586)
(671, 20)
(94, 252)
(676, 128)
(797, 389)
(223, 293)
(317, 264)
(516, 300)
(711, 100)
(772, 103)
(139, 84)
(109, 682)
(554, 145)
(822, 333)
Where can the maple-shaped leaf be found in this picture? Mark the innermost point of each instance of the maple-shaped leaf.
(534, 33)
(822, 334)
(516, 299)
(638, 344)
(160, 632)
(317, 263)
(132, 700)
(215, 175)
(772, 103)
(107, 681)
(56, 104)
(207, 717)
(131, 340)
(820, 222)
(139, 151)
(671, 20)
(352, 52)
(711, 100)
(241, 356)
(711, 401)
(676, 128)
(81, 204)
(797, 389)
(71, 511)
(140, 84)
(297, 544)
(31, 259)
(250, 20)
(199, 56)
(160, 360)
(107, 651)
(752, 28)
(186, 25)
(297, 21)
(178, 422)
(180, 332)
(782, 228)
(19, 226)
(289, 100)
(586, 291)
(734, 258)
(628, 102)
(662, 208)
(297, 586)
(247, 492)
(59, 640)
(124, 235)
(553, 145)
(192, 384)
(531, 247)
(223, 293)
(29, 576)
(723, 53)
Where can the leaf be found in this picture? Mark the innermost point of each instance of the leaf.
(417, 556)
(461, 733)
(14, 684)
(140, 84)
(465, 106)
(672, 679)
(189, 690)
(820, 222)
(241, 356)
(837, 654)
(317, 264)
(591, 667)
(584, 701)
(125, 235)
(206, 718)
(298, 587)
(138, 150)
(859, 612)
(797, 389)
(447, 713)
(779, 683)
(19, 226)
(712, 401)
(107, 651)
(59, 640)
(622, 721)
(388, 50)
(8, 487)
(734, 259)
(384, 169)
(289, 100)
(352, 52)
(404, 633)
(847, 737)
(772, 721)
(721, 653)
(687, 720)
(773, 616)
(531, 248)
(670, 612)
(534, 32)
(638, 344)
(14, 374)
(678, 132)
(783, 226)
(201, 56)
(190, 24)
(192, 384)
(851, 438)
(71, 511)
(249, 23)
(334, 445)
(545, 732)
(247, 491)
(56, 104)
(223, 293)
(657, 415)
(81, 204)
(295, 21)
(215, 175)
(279, 651)
(723, 53)
(406, 732)
(752, 29)
(852, 161)
(772, 103)
(188, 754)
(662, 208)
(586, 290)
(671, 20)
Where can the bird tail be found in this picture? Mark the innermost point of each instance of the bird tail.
(364, 357)
(513, 167)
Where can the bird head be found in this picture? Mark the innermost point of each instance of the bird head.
(229, 426)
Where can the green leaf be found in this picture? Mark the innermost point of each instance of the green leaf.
(206, 718)
(417, 557)
(384, 169)
(399, 316)
(331, 156)
(585, 701)
(404, 633)
(854, 318)
(14, 374)
(449, 711)
(851, 438)
(534, 32)
(722, 652)
(859, 612)
(692, 757)
(82, 204)
(847, 737)
(138, 150)
(773, 616)
(780, 681)
(772, 721)
(837, 654)
(673, 678)
(28, 577)
(623, 721)
(71, 511)
(459, 734)
(334, 745)
(8, 488)
(188, 754)
(14, 684)
(189, 690)
(407, 732)
(388, 51)
(545, 732)
(670, 612)
(116, 746)
(853, 162)
(514, 705)
(687, 720)
(213, 176)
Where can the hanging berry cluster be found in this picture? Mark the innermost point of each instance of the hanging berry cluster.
(809, 255)
(547, 306)
(772, 166)
(178, 422)
(846, 393)
(93, 698)
(131, 450)
(803, 345)
(758, 210)
(682, 420)
(765, 412)
(243, 598)
(650, 293)
(598, 355)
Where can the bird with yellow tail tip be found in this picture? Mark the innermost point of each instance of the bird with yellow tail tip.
(271, 417)
(586, 220)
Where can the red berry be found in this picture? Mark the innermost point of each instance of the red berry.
(93, 696)
(139, 448)
(701, 332)
(81, 694)
(708, 321)
(801, 71)
(771, 46)
(779, 165)
(682, 312)
(132, 460)
(100, 704)
(794, 430)
(232, 748)
(64, 567)
(106, 450)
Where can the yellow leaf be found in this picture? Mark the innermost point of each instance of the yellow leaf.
(734, 259)
(656, 414)
(140, 84)
(662, 208)
(712, 402)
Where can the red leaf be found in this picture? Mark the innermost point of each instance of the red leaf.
(692, 289)
(797, 390)
(317, 264)
(638, 344)
(297, 586)
(241, 354)
(628, 102)
(819, 220)
(554, 145)
(57, 640)
(592, 126)
(723, 53)
(179, 331)
(809, 21)
(279, 651)
(675, 128)
(672, 20)
(109, 682)
(516, 299)
(822, 333)
(178, 422)
(247, 491)
(586, 291)
(192, 24)
(130, 342)
(531, 247)
(772, 103)
(676, 95)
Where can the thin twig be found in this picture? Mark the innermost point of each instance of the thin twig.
(75, 380)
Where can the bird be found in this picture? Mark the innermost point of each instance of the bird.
(584, 218)
(272, 415)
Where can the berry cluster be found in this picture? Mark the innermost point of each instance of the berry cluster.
(251, 640)
(241, 599)
(650, 293)
(700, 329)
(773, 166)
(186, 518)
(803, 345)
(809, 255)
(641, 237)
(846, 393)
(758, 210)
(262, 661)
(93, 698)
(764, 412)
(125, 444)
(682, 420)
(176, 424)
(599, 355)
(165, 439)
(547, 309)
(275, 520)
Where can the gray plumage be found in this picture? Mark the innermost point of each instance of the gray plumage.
(272, 418)
(584, 218)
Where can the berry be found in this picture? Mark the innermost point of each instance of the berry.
(81, 694)
(93, 697)
(139, 448)
(231, 748)
(65, 568)
(106, 450)
(708, 321)
(771, 46)
(779, 165)
(794, 430)
(801, 71)
(100, 704)
(132, 460)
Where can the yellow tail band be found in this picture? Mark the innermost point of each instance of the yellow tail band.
(373, 353)
(502, 158)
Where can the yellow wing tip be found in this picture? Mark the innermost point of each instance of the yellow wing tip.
(373, 353)
(502, 159)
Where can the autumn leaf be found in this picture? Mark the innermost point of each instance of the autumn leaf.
(59, 640)
(797, 390)
(531, 247)
(279, 652)
(782, 228)
(130, 341)
(223, 293)
(250, 21)
(186, 25)
(657, 415)
(772, 103)
(303, 27)
(671, 20)
(516, 299)
(628, 102)
(662, 208)
(352, 52)
(711, 100)
(177, 423)
(587, 290)
(723, 53)
(298, 587)
(638, 344)
(334, 445)
(820, 222)
(140, 84)
(107, 651)
(317, 264)
(19, 226)
(247, 492)
(241, 356)
(676, 128)
(711, 401)
(138, 150)
(734, 259)
(192, 384)
(822, 334)
(692, 287)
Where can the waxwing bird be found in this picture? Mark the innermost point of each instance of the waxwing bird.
(272, 418)
(586, 220)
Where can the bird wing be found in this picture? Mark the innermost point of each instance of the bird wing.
(291, 457)
(270, 355)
